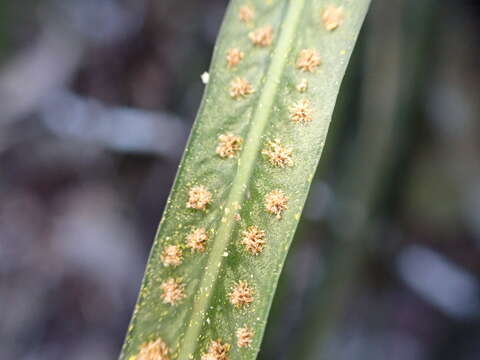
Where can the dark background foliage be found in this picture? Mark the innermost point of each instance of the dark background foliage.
(96, 101)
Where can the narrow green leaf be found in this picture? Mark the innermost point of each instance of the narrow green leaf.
(258, 192)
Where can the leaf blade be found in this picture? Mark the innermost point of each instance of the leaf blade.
(206, 314)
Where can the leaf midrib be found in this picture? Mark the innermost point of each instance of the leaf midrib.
(246, 165)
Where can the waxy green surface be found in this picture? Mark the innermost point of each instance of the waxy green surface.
(239, 184)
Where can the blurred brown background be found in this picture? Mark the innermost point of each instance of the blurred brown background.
(96, 101)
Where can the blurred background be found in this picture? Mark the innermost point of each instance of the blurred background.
(96, 101)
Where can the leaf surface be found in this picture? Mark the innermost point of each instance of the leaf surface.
(282, 121)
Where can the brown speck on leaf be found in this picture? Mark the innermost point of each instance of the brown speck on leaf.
(246, 13)
(244, 337)
(241, 294)
(308, 60)
(173, 291)
(240, 88)
(228, 145)
(171, 255)
(277, 154)
(254, 240)
(154, 350)
(234, 56)
(332, 17)
(302, 85)
(262, 36)
(197, 239)
(208, 356)
(276, 202)
(217, 351)
(198, 198)
(301, 112)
